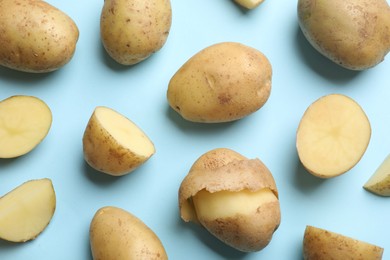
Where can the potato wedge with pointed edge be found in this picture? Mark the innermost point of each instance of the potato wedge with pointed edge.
(24, 123)
(379, 182)
(332, 136)
(321, 244)
(113, 144)
(27, 210)
(233, 197)
(249, 4)
(116, 234)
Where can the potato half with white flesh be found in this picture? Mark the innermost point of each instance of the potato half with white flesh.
(332, 136)
(321, 244)
(249, 4)
(379, 182)
(233, 197)
(27, 210)
(24, 123)
(113, 144)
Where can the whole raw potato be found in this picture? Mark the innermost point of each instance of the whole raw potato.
(132, 30)
(352, 33)
(116, 234)
(35, 36)
(223, 82)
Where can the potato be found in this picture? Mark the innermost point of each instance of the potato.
(352, 33)
(132, 30)
(249, 4)
(24, 123)
(35, 36)
(320, 244)
(113, 144)
(233, 197)
(332, 136)
(224, 82)
(379, 182)
(116, 234)
(27, 210)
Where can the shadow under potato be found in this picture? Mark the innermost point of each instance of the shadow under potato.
(321, 64)
(304, 180)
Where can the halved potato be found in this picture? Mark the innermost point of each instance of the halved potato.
(27, 210)
(113, 144)
(332, 136)
(379, 182)
(24, 123)
(249, 4)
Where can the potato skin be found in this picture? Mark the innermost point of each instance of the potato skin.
(132, 30)
(320, 244)
(352, 33)
(116, 234)
(103, 153)
(35, 36)
(223, 82)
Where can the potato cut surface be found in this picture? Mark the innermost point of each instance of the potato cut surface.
(249, 4)
(227, 203)
(125, 132)
(379, 182)
(24, 123)
(332, 136)
(27, 210)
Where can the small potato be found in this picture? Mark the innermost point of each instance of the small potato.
(113, 144)
(223, 82)
(354, 34)
(35, 36)
(379, 182)
(132, 30)
(249, 4)
(321, 244)
(116, 234)
(233, 197)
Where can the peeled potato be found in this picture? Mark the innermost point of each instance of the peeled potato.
(321, 244)
(332, 136)
(113, 144)
(233, 197)
(24, 123)
(27, 210)
(379, 182)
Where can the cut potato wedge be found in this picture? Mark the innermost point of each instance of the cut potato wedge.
(332, 136)
(249, 4)
(113, 144)
(379, 182)
(24, 123)
(320, 244)
(27, 210)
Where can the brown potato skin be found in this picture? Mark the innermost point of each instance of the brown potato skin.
(132, 30)
(321, 244)
(352, 33)
(221, 83)
(223, 169)
(116, 234)
(35, 36)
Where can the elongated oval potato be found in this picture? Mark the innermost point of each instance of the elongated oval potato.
(233, 197)
(116, 234)
(132, 30)
(35, 36)
(223, 82)
(24, 123)
(113, 144)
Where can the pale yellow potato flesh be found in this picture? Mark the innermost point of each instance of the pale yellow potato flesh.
(321, 244)
(27, 210)
(332, 136)
(223, 204)
(249, 4)
(379, 182)
(24, 123)
(113, 144)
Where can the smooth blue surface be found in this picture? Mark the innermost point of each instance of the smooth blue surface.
(300, 76)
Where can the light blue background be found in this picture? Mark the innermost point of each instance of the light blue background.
(300, 76)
